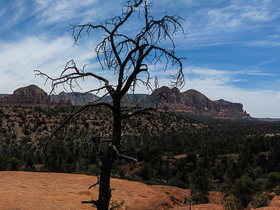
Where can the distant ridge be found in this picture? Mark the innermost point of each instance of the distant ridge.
(165, 99)
(195, 103)
(75, 98)
(269, 119)
(3, 95)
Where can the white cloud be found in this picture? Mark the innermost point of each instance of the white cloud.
(19, 59)
(66, 11)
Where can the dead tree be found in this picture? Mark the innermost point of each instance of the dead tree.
(126, 56)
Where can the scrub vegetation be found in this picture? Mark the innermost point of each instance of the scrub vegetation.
(240, 159)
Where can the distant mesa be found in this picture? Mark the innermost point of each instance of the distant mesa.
(195, 103)
(31, 96)
(165, 99)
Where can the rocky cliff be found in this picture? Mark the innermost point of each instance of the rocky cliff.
(164, 98)
(195, 103)
(30, 95)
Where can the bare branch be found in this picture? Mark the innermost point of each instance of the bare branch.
(88, 27)
(71, 74)
(95, 203)
(146, 111)
(98, 182)
(115, 153)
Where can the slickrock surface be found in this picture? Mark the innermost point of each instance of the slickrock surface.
(28, 190)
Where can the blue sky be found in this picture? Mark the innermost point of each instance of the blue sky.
(232, 47)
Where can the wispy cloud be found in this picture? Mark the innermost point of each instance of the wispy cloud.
(266, 43)
(258, 73)
(209, 26)
(65, 11)
(223, 76)
(10, 16)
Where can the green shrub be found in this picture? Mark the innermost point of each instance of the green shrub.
(273, 179)
(232, 203)
(14, 164)
(261, 200)
(200, 185)
(277, 190)
(147, 172)
(4, 164)
(244, 188)
(94, 170)
(176, 182)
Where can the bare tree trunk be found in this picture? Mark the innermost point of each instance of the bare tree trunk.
(105, 189)
(108, 160)
(117, 122)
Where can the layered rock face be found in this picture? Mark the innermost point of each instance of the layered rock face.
(195, 103)
(30, 95)
(164, 98)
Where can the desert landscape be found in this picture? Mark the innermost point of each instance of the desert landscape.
(103, 106)
(36, 190)
(29, 190)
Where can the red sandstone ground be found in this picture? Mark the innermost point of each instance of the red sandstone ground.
(28, 190)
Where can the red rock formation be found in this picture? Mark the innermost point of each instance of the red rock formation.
(195, 103)
(30, 95)
(62, 102)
